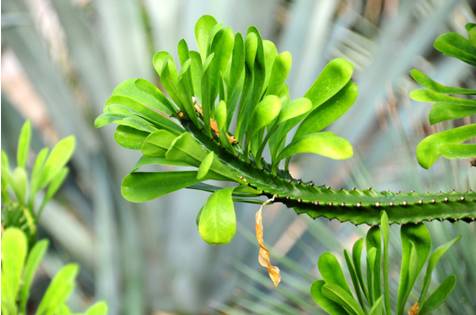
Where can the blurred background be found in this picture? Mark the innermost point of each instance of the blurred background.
(62, 58)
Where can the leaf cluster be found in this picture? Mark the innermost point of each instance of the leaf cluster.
(19, 266)
(372, 289)
(451, 143)
(21, 187)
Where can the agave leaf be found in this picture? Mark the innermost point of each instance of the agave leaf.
(323, 301)
(439, 295)
(428, 83)
(328, 112)
(442, 111)
(331, 271)
(455, 45)
(59, 290)
(33, 261)
(446, 143)
(323, 143)
(23, 149)
(14, 250)
(203, 31)
(130, 138)
(145, 186)
(217, 219)
(416, 245)
(335, 75)
(432, 263)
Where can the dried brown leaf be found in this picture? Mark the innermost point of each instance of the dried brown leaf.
(264, 257)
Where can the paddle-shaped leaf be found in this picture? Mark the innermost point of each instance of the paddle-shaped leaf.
(217, 219)
(385, 228)
(327, 304)
(439, 295)
(281, 67)
(344, 298)
(328, 112)
(432, 263)
(335, 75)
(294, 108)
(416, 245)
(19, 183)
(14, 250)
(265, 112)
(99, 308)
(203, 32)
(331, 271)
(455, 45)
(33, 261)
(205, 166)
(442, 111)
(448, 143)
(428, 83)
(373, 242)
(144, 186)
(157, 143)
(323, 143)
(130, 138)
(59, 290)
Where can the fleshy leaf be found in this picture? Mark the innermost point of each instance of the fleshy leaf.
(217, 219)
(323, 301)
(203, 29)
(130, 138)
(328, 112)
(455, 45)
(439, 295)
(265, 112)
(323, 143)
(205, 166)
(145, 186)
(344, 298)
(428, 83)
(442, 111)
(446, 143)
(331, 271)
(294, 108)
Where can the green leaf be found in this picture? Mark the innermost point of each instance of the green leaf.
(130, 138)
(265, 113)
(439, 295)
(323, 143)
(448, 144)
(377, 307)
(153, 160)
(221, 116)
(357, 261)
(432, 263)
(335, 75)
(294, 108)
(373, 241)
(203, 29)
(33, 261)
(416, 246)
(183, 51)
(371, 263)
(426, 95)
(145, 93)
(185, 148)
(24, 144)
(344, 298)
(145, 186)
(59, 290)
(354, 277)
(428, 83)
(279, 73)
(99, 308)
(331, 271)
(328, 112)
(323, 301)
(19, 182)
(59, 156)
(205, 166)
(157, 143)
(385, 228)
(14, 250)
(36, 172)
(217, 219)
(5, 175)
(455, 45)
(442, 111)
(56, 183)
(471, 28)
(196, 69)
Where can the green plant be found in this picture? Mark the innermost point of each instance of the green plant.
(22, 254)
(243, 79)
(450, 143)
(19, 265)
(372, 290)
(21, 191)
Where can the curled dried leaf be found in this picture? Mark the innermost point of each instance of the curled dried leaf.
(414, 310)
(264, 257)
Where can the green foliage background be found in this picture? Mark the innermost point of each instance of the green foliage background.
(61, 59)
